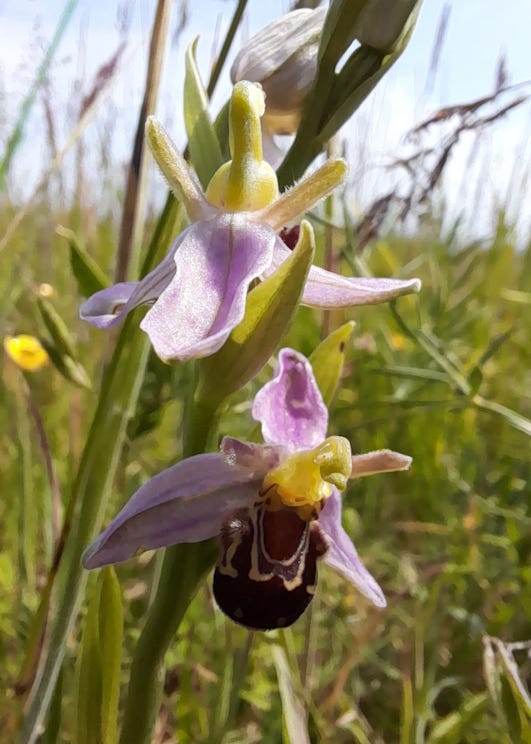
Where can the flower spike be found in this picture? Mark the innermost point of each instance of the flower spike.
(199, 290)
(275, 506)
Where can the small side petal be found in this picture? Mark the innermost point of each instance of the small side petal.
(342, 555)
(290, 407)
(185, 503)
(325, 289)
(381, 461)
(205, 300)
(110, 305)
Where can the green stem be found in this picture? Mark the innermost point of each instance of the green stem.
(225, 49)
(183, 567)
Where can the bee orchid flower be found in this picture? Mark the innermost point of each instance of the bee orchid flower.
(275, 507)
(198, 291)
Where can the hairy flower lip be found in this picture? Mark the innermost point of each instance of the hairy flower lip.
(189, 501)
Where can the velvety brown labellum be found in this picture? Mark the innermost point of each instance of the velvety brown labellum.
(267, 571)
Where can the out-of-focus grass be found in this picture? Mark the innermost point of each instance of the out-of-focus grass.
(449, 541)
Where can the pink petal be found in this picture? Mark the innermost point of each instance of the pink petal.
(110, 305)
(205, 300)
(185, 503)
(381, 461)
(290, 407)
(342, 555)
(325, 289)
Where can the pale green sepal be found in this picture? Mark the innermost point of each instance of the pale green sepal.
(270, 309)
(180, 177)
(61, 351)
(328, 358)
(205, 150)
(89, 276)
(98, 666)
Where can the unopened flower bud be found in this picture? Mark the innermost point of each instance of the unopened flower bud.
(282, 57)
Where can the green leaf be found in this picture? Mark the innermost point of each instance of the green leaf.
(339, 30)
(89, 277)
(270, 308)
(510, 710)
(62, 351)
(205, 150)
(363, 71)
(510, 670)
(56, 327)
(336, 95)
(157, 390)
(88, 672)
(110, 637)
(293, 709)
(328, 358)
(452, 727)
(221, 125)
(70, 369)
(98, 667)
(413, 373)
(512, 417)
(53, 724)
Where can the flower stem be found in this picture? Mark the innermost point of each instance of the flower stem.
(183, 567)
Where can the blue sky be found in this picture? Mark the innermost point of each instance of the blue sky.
(478, 32)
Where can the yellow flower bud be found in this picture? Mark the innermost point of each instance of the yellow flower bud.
(26, 351)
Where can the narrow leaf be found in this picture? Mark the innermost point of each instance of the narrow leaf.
(205, 150)
(88, 672)
(293, 710)
(328, 358)
(70, 369)
(56, 327)
(89, 277)
(110, 637)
